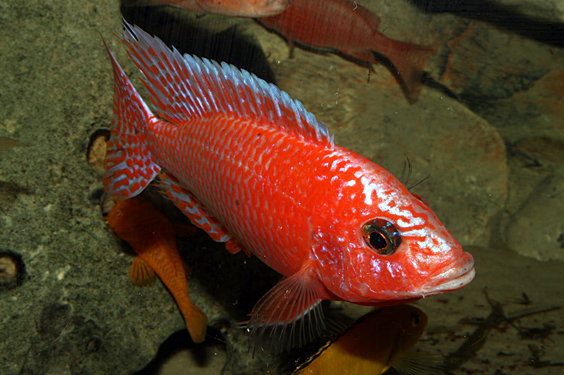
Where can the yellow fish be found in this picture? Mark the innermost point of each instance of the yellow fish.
(372, 344)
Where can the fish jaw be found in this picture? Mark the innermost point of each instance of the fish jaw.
(454, 276)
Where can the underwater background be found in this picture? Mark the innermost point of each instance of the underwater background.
(485, 139)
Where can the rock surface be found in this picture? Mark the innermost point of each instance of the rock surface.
(537, 229)
(76, 312)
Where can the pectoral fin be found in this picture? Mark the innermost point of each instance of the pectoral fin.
(141, 274)
(182, 230)
(289, 315)
(419, 363)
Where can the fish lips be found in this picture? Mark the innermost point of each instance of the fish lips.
(454, 276)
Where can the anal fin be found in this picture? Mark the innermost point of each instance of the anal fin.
(141, 273)
(188, 204)
(182, 230)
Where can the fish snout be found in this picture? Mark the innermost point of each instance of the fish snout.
(454, 276)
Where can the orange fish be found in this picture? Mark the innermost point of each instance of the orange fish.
(346, 27)
(374, 343)
(234, 8)
(255, 170)
(153, 237)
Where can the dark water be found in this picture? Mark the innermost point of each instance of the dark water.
(485, 136)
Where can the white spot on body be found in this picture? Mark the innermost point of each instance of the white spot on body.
(334, 165)
(368, 188)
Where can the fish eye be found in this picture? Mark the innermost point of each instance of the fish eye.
(415, 319)
(381, 236)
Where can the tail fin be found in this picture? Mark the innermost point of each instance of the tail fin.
(129, 165)
(196, 322)
(409, 59)
(407, 62)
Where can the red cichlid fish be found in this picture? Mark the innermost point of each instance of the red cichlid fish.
(255, 170)
(234, 8)
(345, 26)
(153, 237)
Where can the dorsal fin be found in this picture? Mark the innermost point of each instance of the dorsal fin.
(184, 88)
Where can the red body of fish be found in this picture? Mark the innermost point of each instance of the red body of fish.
(234, 8)
(254, 169)
(153, 237)
(350, 28)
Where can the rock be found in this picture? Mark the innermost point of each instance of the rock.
(537, 229)
(77, 311)
(531, 124)
(509, 63)
(546, 10)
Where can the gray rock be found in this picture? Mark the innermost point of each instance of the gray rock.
(537, 229)
(547, 10)
(77, 311)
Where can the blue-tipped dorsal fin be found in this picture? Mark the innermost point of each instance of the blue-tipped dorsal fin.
(184, 88)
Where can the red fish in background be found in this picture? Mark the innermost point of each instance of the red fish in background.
(255, 170)
(153, 237)
(234, 8)
(346, 27)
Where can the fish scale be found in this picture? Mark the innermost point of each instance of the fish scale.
(209, 174)
(255, 170)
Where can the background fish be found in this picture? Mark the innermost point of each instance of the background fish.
(153, 237)
(257, 171)
(235, 8)
(345, 26)
(374, 343)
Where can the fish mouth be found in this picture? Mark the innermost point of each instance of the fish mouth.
(452, 277)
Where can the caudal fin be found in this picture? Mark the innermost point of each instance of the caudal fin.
(196, 322)
(410, 59)
(129, 165)
(408, 62)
